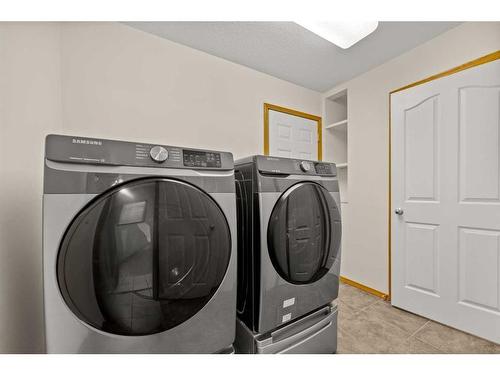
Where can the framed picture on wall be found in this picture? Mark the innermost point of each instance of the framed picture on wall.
(291, 133)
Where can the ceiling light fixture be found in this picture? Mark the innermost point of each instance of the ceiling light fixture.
(343, 34)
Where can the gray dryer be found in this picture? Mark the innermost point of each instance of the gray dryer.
(289, 246)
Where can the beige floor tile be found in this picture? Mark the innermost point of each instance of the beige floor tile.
(347, 344)
(355, 298)
(371, 334)
(344, 307)
(400, 318)
(345, 314)
(368, 325)
(450, 340)
(415, 346)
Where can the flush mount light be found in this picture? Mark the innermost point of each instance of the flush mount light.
(340, 33)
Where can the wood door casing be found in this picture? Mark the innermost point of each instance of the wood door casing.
(309, 125)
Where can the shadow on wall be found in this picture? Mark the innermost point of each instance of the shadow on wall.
(21, 301)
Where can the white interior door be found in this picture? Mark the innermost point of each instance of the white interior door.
(446, 183)
(292, 136)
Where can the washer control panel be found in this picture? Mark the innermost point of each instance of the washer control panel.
(201, 159)
(84, 150)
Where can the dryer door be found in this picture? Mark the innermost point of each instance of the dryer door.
(144, 257)
(304, 233)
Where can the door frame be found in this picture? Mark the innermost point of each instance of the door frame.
(293, 112)
(470, 64)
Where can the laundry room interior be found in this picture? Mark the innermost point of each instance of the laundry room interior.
(249, 187)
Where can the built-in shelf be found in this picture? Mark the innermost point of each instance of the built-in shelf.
(335, 139)
(339, 125)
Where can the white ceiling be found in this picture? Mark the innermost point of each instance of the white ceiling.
(290, 52)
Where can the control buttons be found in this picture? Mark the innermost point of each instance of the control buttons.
(305, 166)
(323, 168)
(158, 154)
(202, 159)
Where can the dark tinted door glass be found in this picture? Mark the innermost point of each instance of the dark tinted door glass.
(304, 233)
(144, 257)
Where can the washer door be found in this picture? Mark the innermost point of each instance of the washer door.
(144, 257)
(304, 233)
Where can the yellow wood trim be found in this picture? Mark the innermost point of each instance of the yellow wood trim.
(268, 107)
(266, 129)
(320, 139)
(389, 260)
(470, 64)
(364, 288)
(480, 61)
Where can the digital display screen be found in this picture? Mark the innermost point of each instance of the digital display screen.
(322, 168)
(201, 159)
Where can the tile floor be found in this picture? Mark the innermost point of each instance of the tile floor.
(369, 325)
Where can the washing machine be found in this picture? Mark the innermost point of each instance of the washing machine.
(289, 247)
(139, 247)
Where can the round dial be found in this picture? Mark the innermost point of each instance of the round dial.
(158, 154)
(305, 166)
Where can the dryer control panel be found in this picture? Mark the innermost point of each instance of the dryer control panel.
(286, 166)
(324, 168)
(84, 150)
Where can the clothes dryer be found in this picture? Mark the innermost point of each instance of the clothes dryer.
(289, 242)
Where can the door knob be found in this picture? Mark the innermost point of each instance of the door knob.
(398, 211)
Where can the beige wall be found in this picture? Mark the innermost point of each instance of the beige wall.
(119, 82)
(106, 80)
(30, 107)
(365, 253)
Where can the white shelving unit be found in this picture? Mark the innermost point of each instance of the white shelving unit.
(339, 125)
(336, 137)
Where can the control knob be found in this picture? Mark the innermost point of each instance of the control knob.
(305, 166)
(158, 154)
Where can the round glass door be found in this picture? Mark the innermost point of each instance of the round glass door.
(304, 233)
(144, 257)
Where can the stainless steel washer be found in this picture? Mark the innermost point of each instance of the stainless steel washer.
(139, 248)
